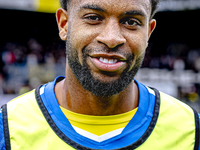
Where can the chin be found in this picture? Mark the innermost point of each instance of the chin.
(105, 77)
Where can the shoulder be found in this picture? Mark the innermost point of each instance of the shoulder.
(170, 103)
(21, 100)
(15, 105)
(175, 113)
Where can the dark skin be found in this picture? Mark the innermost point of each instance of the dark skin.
(110, 23)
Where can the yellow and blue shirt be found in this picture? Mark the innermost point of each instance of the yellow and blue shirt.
(36, 121)
(98, 128)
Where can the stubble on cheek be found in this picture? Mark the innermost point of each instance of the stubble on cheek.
(137, 61)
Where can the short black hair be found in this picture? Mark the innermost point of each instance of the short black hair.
(154, 6)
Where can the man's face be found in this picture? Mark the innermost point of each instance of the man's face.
(106, 42)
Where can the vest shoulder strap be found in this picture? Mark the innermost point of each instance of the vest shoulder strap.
(197, 120)
(5, 126)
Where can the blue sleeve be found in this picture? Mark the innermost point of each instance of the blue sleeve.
(2, 141)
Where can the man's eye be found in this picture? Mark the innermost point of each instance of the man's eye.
(94, 18)
(131, 23)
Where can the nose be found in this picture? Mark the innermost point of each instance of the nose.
(111, 35)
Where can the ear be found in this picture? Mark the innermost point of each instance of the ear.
(152, 26)
(62, 21)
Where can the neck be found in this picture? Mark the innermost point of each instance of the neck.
(72, 96)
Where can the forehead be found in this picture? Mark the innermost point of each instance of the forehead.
(114, 6)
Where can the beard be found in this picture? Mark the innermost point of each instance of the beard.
(95, 86)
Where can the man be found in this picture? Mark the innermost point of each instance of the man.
(99, 105)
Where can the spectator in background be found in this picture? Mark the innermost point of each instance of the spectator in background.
(197, 64)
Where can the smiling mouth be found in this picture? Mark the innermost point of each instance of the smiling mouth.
(108, 63)
(108, 58)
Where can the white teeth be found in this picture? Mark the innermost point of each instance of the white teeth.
(111, 61)
(107, 61)
(101, 59)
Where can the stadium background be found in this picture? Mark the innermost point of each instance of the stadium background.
(31, 52)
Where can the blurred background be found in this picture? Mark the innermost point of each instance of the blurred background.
(31, 52)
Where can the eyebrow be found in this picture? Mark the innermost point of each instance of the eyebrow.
(135, 12)
(127, 13)
(93, 7)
